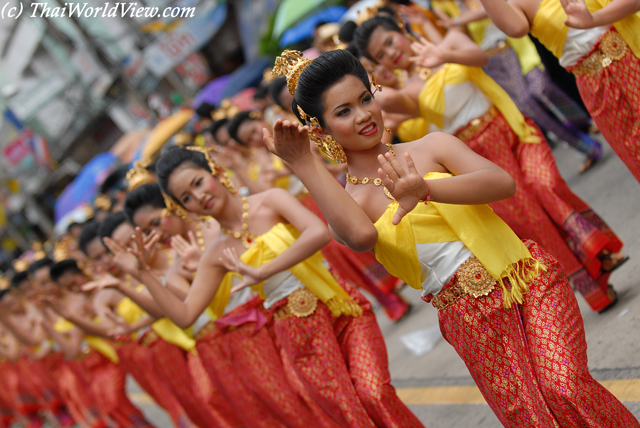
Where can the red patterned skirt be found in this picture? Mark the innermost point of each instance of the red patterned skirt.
(172, 365)
(344, 365)
(546, 210)
(244, 363)
(612, 97)
(107, 381)
(530, 361)
(76, 394)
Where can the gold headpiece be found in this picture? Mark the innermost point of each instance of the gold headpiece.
(227, 110)
(103, 202)
(38, 252)
(20, 265)
(138, 175)
(291, 64)
(61, 249)
(171, 207)
(367, 14)
(4, 283)
(268, 76)
(182, 139)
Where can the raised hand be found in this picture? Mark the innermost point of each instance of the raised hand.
(427, 54)
(105, 281)
(290, 141)
(188, 251)
(411, 14)
(144, 246)
(408, 188)
(122, 258)
(578, 16)
(250, 274)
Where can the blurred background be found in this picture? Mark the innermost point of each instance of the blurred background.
(81, 96)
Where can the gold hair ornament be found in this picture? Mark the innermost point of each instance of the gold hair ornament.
(291, 64)
(365, 15)
(227, 110)
(376, 87)
(103, 202)
(139, 175)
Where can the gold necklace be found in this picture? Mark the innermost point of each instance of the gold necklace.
(246, 236)
(199, 238)
(376, 181)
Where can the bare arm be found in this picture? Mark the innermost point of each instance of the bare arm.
(456, 48)
(21, 332)
(399, 102)
(69, 342)
(510, 17)
(291, 143)
(578, 16)
(145, 301)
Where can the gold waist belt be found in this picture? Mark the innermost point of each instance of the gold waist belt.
(466, 133)
(612, 48)
(499, 48)
(301, 303)
(471, 279)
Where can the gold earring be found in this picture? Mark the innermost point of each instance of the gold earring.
(330, 147)
(376, 87)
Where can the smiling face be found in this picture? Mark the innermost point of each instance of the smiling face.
(197, 190)
(352, 116)
(149, 219)
(250, 133)
(390, 48)
(384, 77)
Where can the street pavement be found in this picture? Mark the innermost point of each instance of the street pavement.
(438, 387)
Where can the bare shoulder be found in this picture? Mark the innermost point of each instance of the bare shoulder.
(211, 257)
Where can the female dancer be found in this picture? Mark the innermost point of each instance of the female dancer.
(243, 363)
(465, 102)
(506, 307)
(361, 270)
(597, 41)
(279, 241)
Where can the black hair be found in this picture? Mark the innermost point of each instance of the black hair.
(402, 2)
(110, 224)
(262, 91)
(324, 72)
(386, 10)
(363, 34)
(204, 110)
(319, 24)
(275, 88)
(39, 264)
(62, 267)
(353, 49)
(146, 195)
(18, 279)
(239, 119)
(115, 180)
(346, 31)
(215, 126)
(89, 233)
(172, 160)
(72, 225)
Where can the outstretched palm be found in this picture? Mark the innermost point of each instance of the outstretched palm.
(290, 141)
(426, 54)
(408, 188)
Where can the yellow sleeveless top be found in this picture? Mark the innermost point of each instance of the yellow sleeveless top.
(432, 98)
(477, 226)
(548, 26)
(311, 272)
(102, 346)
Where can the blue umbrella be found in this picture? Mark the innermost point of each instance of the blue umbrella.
(85, 186)
(212, 92)
(248, 75)
(305, 28)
